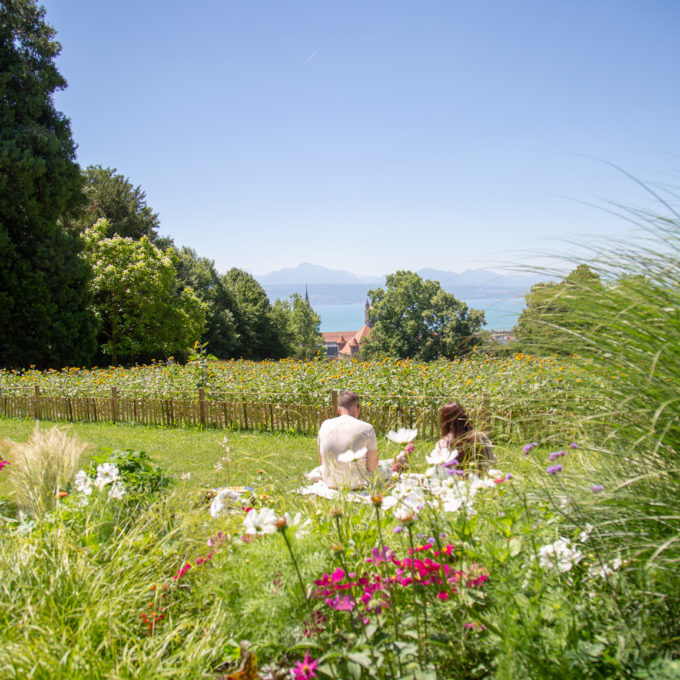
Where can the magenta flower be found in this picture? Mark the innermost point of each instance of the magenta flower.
(3, 463)
(555, 455)
(530, 446)
(596, 488)
(554, 469)
(573, 445)
(305, 669)
(341, 603)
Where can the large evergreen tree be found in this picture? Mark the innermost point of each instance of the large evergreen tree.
(45, 316)
(110, 195)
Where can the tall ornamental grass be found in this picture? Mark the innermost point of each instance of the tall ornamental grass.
(42, 467)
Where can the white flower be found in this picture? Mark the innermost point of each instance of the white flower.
(83, 482)
(559, 555)
(107, 473)
(585, 534)
(260, 522)
(440, 455)
(402, 436)
(403, 512)
(218, 466)
(349, 456)
(117, 490)
(299, 527)
(185, 475)
(220, 503)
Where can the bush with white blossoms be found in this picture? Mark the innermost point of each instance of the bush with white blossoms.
(107, 475)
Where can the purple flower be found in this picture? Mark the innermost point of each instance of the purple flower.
(554, 469)
(398, 530)
(556, 454)
(431, 540)
(530, 446)
(508, 477)
(573, 446)
(380, 555)
(596, 488)
(442, 535)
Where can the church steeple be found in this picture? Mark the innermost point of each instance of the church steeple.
(306, 295)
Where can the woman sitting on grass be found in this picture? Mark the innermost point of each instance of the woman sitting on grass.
(473, 446)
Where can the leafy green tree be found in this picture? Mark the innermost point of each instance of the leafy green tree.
(110, 195)
(303, 338)
(140, 312)
(220, 336)
(551, 320)
(45, 316)
(416, 318)
(262, 332)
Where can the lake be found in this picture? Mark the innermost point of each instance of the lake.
(500, 314)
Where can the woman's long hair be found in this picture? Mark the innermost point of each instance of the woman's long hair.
(456, 428)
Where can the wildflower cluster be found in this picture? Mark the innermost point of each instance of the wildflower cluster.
(107, 474)
(425, 566)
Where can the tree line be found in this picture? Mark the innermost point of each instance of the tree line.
(86, 277)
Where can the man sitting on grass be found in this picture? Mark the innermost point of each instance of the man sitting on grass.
(342, 434)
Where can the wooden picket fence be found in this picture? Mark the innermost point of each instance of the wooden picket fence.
(269, 416)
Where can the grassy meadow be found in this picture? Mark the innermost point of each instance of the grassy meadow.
(559, 563)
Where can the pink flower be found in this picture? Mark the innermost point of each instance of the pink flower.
(341, 604)
(3, 463)
(443, 596)
(182, 570)
(305, 669)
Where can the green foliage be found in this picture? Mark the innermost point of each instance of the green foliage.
(109, 195)
(550, 321)
(141, 477)
(415, 318)
(45, 317)
(303, 323)
(199, 274)
(262, 334)
(136, 303)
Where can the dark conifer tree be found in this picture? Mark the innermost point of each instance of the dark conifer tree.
(45, 316)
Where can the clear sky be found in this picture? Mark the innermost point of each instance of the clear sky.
(376, 135)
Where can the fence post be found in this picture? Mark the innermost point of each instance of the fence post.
(114, 404)
(334, 403)
(201, 405)
(36, 405)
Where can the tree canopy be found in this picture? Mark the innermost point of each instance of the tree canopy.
(304, 340)
(262, 332)
(110, 195)
(416, 318)
(551, 320)
(220, 336)
(45, 316)
(140, 311)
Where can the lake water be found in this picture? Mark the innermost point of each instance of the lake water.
(500, 314)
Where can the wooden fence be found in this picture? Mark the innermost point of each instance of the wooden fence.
(264, 416)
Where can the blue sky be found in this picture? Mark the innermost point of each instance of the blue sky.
(374, 136)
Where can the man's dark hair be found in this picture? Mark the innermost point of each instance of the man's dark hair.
(347, 399)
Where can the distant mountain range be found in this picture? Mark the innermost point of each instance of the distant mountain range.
(335, 286)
